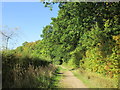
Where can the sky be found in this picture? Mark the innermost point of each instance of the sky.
(29, 18)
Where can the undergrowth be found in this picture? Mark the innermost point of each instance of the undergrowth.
(26, 72)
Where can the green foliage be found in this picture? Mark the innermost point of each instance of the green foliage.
(24, 43)
(86, 35)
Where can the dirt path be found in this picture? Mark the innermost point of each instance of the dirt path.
(70, 81)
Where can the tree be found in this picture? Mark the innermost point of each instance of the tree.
(82, 33)
(7, 34)
(24, 43)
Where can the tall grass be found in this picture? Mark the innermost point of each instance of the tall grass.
(26, 72)
(39, 77)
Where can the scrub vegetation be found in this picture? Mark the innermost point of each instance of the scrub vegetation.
(84, 35)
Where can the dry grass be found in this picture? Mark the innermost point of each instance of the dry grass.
(26, 71)
(32, 77)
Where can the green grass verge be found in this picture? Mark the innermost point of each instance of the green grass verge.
(83, 79)
(93, 80)
(56, 78)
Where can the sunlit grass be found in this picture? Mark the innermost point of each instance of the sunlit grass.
(93, 80)
(27, 72)
(39, 77)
